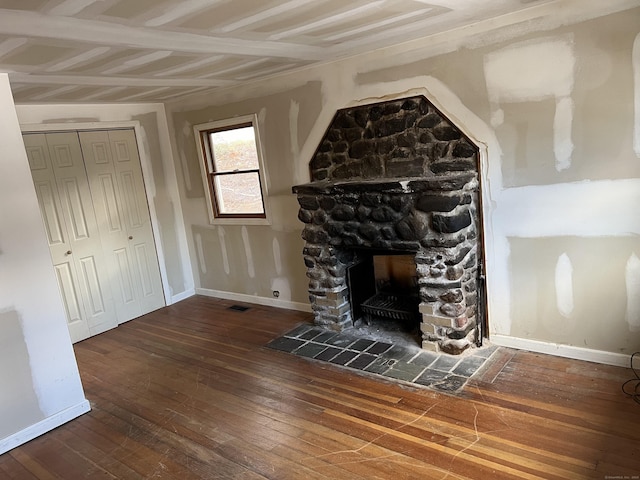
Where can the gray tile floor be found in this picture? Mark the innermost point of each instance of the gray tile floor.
(401, 362)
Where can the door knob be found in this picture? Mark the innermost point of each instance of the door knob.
(68, 252)
(130, 237)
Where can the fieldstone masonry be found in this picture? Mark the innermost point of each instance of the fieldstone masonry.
(396, 176)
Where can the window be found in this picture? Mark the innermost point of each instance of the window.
(233, 171)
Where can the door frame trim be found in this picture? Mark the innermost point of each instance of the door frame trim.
(147, 178)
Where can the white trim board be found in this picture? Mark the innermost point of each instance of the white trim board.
(243, 297)
(178, 297)
(43, 426)
(567, 351)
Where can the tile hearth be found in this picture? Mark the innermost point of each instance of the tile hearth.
(397, 361)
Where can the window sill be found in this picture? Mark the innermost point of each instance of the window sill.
(240, 221)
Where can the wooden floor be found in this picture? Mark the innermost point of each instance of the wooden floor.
(190, 392)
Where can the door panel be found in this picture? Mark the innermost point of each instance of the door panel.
(113, 164)
(50, 212)
(47, 193)
(92, 284)
(133, 211)
(108, 196)
(61, 153)
(101, 154)
(138, 221)
(122, 150)
(37, 154)
(56, 228)
(74, 205)
(124, 270)
(78, 326)
(146, 283)
(94, 208)
(109, 209)
(65, 203)
(82, 230)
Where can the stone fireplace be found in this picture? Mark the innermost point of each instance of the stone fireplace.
(391, 178)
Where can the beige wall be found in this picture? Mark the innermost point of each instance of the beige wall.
(553, 112)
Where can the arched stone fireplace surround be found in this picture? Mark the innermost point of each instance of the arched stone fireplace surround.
(397, 177)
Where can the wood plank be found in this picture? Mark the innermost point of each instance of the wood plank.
(191, 392)
(11, 468)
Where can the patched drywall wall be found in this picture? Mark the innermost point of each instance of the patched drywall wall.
(167, 213)
(283, 128)
(40, 382)
(551, 106)
(252, 260)
(560, 285)
(159, 175)
(16, 377)
(513, 77)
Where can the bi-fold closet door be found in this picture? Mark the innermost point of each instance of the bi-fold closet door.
(92, 199)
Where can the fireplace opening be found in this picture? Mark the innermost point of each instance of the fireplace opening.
(384, 296)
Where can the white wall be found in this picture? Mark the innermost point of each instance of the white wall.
(40, 385)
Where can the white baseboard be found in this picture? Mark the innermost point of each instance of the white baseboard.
(182, 296)
(243, 297)
(567, 351)
(43, 426)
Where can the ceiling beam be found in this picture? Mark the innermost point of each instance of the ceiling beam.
(14, 22)
(114, 81)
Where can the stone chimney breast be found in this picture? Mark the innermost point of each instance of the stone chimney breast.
(396, 176)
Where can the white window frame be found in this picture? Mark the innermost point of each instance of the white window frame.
(206, 169)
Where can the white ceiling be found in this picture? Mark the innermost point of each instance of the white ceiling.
(160, 50)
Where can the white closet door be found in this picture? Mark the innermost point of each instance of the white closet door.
(113, 166)
(66, 205)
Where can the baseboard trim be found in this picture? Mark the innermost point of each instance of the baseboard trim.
(243, 297)
(43, 426)
(567, 351)
(182, 296)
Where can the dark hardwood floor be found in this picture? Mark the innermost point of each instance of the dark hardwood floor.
(191, 392)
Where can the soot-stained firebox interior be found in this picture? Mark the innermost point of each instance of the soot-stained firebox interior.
(384, 295)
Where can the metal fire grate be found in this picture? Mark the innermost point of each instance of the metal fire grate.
(403, 308)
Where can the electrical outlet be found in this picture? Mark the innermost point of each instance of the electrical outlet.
(276, 293)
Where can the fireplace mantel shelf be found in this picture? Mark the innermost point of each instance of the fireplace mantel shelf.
(451, 181)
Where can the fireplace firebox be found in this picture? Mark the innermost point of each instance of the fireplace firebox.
(384, 294)
(396, 178)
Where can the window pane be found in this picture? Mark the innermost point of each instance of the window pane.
(234, 149)
(238, 193)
